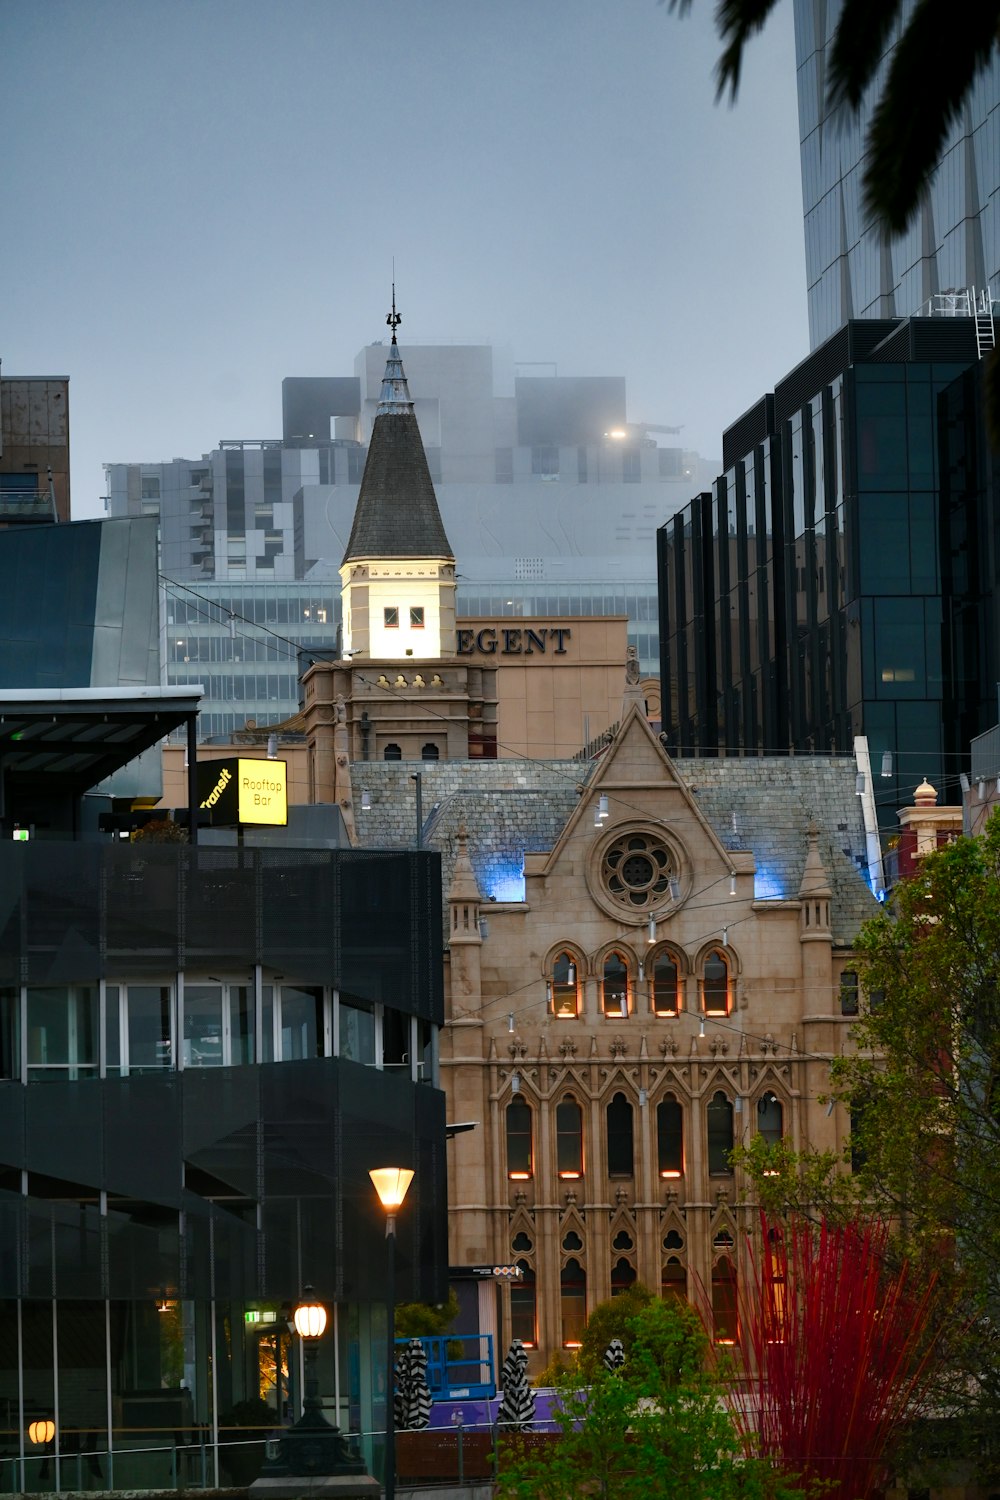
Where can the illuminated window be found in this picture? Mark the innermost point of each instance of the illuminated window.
(725, 1323)
(569, 1138)
(673, 1280)
(622, 1276)
(523, 1313)
(519, 1139)
(614, 991)
(620, 1150)
(670, 1137)
(666, 985)
(417, 618)
(390, 617)
(715, 985)
(573, 1302)
(770, 1118)
(719, 1116)
(565, 986)
(849, 993)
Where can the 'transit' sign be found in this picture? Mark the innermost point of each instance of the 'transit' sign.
(236, 791)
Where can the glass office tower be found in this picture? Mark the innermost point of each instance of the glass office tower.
(836, 581)
(954, 242)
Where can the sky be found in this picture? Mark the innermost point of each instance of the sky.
(204, 196)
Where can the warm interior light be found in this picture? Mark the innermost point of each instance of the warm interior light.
(519, 1177)
(43, 1431)
(671, 1173)
(391, 1184)
(309, 1317)
(570, 1175)
(572, 1344)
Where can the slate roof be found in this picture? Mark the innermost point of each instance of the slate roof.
(513, 807)
(397, 512)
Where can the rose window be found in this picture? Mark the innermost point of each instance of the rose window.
(637, 870)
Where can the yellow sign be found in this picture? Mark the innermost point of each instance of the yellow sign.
(263, 791)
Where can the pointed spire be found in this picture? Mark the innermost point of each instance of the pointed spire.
(397, 512)
(464, 886)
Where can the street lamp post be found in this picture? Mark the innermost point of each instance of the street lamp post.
(313, 1448)
(391, 1184)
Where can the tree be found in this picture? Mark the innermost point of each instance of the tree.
(923, 1091)
(655, 1427)
(925, 86)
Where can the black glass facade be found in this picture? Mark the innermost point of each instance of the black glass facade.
(202, 1054)
(834, 582)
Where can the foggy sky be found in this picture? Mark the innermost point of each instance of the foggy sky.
(203, 196)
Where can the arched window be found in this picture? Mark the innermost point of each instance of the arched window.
(849, 993)
(670, 1137)
(666, 985)
(523, 1312)
(614, 990)
(620, 1151)
(622, 1276)
(573, 1302)
(392, 752)
(673, 1282)
(430, 752)
(565, 986)
(519, 1154)
(719, 1117)
(725, 1323)
(715, 984)
(569, 1138)
(770, 1118)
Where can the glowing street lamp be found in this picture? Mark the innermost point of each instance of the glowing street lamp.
(391, 1184)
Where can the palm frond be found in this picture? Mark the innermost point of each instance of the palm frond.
(863, 31)
(921, 100)
(736, 22)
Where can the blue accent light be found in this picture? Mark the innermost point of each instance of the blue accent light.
(767, 886)
(502, 879)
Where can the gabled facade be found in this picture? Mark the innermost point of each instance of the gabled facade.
(669, 985)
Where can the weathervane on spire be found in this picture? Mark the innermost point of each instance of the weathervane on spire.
(394, 319)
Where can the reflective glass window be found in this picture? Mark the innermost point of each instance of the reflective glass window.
(523, 1306)
(666, 985)
(614, 990)
(715, 996)
(670, 1137)
(301, 1022)
(770, 1118)
(357, 1031)
(622, 1276)
(569, 1138)
(10, 1033)
(573, 1302)
(150, 1027)
(519, 1154)
(719, 1120)
(674, 1280)
(724, 1314)
(565, 982)
(201, 1045)
(241, 1022)
(620, 1144)
(62, 1030)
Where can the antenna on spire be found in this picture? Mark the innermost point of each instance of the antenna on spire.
(394, 319)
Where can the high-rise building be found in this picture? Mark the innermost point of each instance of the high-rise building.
(550, 497)
(953, 245)
(839, 579)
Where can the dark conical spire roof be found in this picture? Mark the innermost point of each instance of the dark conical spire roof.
(397, 511)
